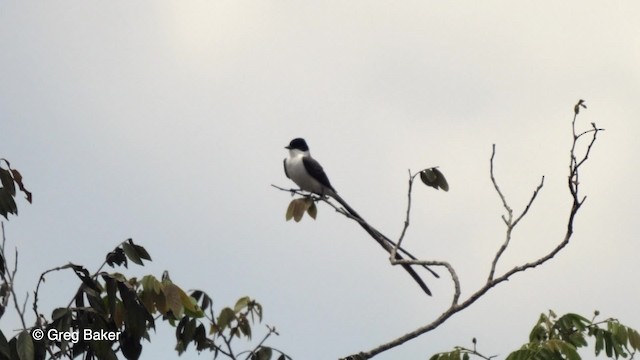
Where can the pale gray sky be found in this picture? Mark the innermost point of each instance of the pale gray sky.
(166, 122)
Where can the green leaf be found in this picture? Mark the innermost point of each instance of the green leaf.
(142, 252)
(148, 299)
(189, 304)
(620, 334)
(442, 182)
(137, 319)
(110, 284)
(244, 326)
(189, 331)
(264, 353)
(5, 351)
(17, 177)
(200, 338)
(608, 343)
(173, 296)
(634, 339)
(102, 349)
(225, 318)
(242, 303)
(7, 181)
(599, 333)
(538, 334)
(539, 353)
(90, 284)
(570, 321)
(151, 284)
(205, 300)
(434, 178)
(7, 204)
(257, 309)
(116, 257)
(59, 313)
(131, 253)
(568, 350)
(25, 346)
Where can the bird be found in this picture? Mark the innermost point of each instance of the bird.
(309, 175)
(305, 171)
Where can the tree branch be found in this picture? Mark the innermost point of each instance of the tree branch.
(510, 222)
(573, 184)
(8, 277)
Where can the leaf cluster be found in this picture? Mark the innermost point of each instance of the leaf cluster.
(223, 328)
(297, 208)
(111, 302)
(559, 338)
(434, 178)
(9, 178)
(456, 354)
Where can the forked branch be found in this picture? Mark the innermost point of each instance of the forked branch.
(511, 221)
(576, 161)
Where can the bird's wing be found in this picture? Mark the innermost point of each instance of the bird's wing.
(284, 162)
(315, 170)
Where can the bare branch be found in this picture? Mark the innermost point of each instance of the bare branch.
(495, 184)
(271, 330)
(533, 197)
(406, 221)
(9, 279)
(450, 269)
(509, 222)
(575, 162)
(573, 184)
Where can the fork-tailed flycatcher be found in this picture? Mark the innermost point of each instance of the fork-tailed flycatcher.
(307, 173)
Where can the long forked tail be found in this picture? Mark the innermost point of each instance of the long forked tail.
(386, 244)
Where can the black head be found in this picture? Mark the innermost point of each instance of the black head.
(298, 143)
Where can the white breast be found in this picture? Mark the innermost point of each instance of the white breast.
(300, 176)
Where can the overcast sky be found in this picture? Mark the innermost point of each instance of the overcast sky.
(166, 122)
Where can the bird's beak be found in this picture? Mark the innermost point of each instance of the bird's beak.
(288, 147)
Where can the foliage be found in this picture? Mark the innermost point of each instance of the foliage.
(434, 178)
(578, 157)
(297, 208)
(111, 314)
(559, 338)
(9, 178)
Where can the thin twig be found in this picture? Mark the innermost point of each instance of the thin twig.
(509, 221)
(408, 212)
(6, 281)
(9, 278)
(272, 330)
(533, 197)
(573, 185)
